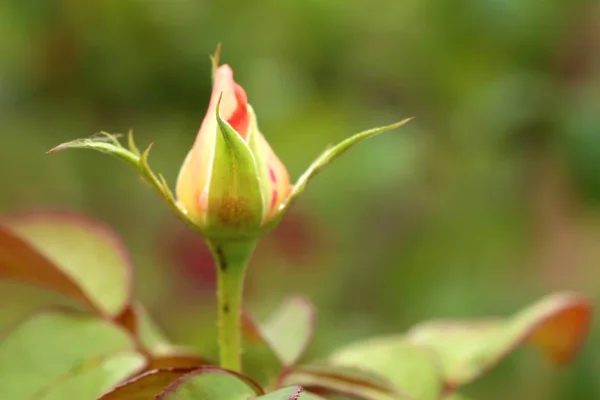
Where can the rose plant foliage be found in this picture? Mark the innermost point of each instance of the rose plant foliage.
(231, 189)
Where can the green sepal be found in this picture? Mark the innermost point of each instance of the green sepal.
(328, 156)
(235, 205)
(109, 144)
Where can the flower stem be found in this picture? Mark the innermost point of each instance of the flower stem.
(231, 259)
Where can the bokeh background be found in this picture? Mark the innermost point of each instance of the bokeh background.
(487, 201)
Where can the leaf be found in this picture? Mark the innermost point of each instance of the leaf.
(162, 354)
(210, 383)
(68, 254)
(147, 385)
(175, 357)
(290, 393)
(57, 355)
(289, 329)
(344, 380)
(104, 143)
(20, 261)
(109, 144)
(89, 382)
(557, 325)
(258, 357)
(412, 369)
(332, 153)
(280, 341)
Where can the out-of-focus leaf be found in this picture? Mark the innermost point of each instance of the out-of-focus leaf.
(57, 355)
(211, 383)
(69, 254)
(289, 330)
(20, 261)
(259, 357)
(175, 357)
(290, 393)
(557, 325)
(344, 380)
(280, 341)
(91, 381)
(411, 368)
(456, 396)
(161, 353)
(147, 385)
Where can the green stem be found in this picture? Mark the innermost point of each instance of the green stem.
(231, 259)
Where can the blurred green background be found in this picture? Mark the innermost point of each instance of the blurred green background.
(487, 201)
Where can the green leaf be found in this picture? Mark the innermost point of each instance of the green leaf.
(289, 329)
(68, 254)
(557, 325)
(279, 341)
(184, 383)
(20, 261)
(91, 381)
(109, 144)
(58, 355)
(332, 153)
(410, 368)
(104, 143)
(258, 356)
(147, 385)
(161, 352)
(345, 380)
(290, 393)
(210, 383)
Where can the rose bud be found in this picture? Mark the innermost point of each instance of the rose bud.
(231, 183)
